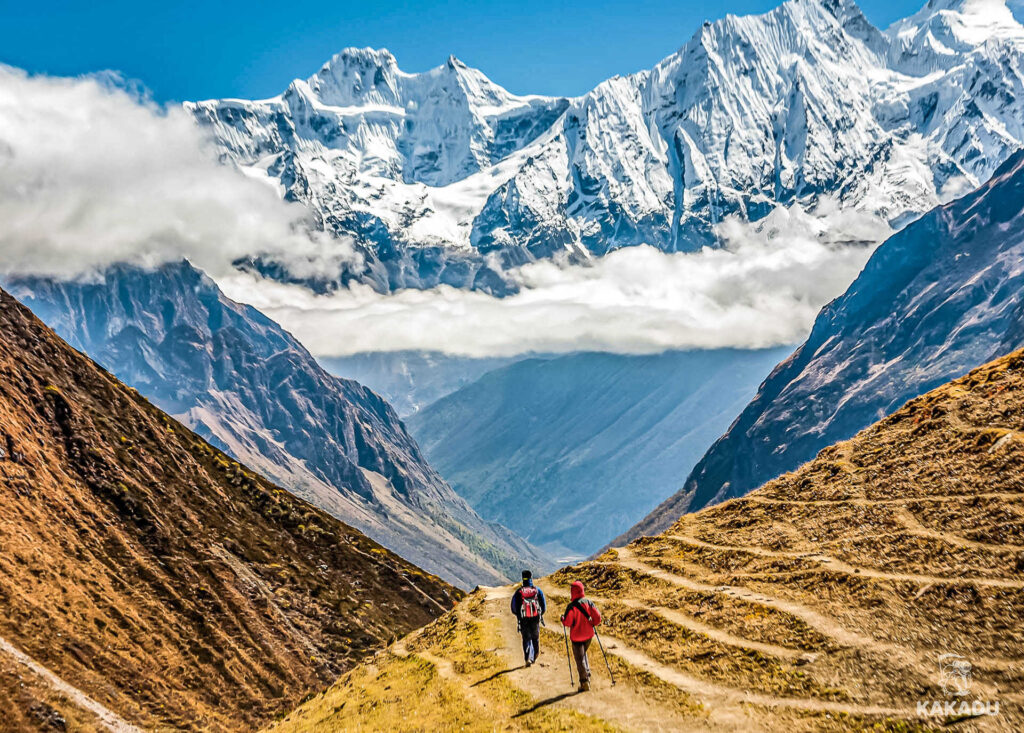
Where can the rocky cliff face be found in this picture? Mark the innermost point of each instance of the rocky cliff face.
(152, 573)
(939, 298)
(245, 384)
(445, 177)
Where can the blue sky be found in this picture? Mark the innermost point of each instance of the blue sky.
(193, 50)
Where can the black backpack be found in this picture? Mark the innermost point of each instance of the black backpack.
(580, 603)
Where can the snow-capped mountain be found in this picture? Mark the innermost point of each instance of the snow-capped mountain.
(939, 298)
(445, 177)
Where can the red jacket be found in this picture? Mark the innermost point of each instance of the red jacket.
(581, 616)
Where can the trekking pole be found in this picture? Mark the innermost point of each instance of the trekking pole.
(568, 659)
(605, 657)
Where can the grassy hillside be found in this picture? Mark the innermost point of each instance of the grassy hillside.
(822, 601)
(147, 579)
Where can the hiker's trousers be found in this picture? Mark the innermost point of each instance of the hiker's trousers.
(579, 650)
(530, 629)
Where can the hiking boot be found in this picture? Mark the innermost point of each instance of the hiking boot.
(585, 686)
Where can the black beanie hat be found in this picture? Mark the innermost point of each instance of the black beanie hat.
(527, 575)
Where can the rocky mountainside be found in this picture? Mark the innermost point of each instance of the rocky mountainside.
(937, 299)
(245, 384)
(571, 451)
(435, 174)
(147, 576)
(878, 588)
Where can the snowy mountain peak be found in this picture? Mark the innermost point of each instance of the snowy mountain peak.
(364, 57)
(938, 34)
(356, 76)
(432, 173)
(853, 21)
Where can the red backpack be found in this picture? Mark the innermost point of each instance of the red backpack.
(531, 602)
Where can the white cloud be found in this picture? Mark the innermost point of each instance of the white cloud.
(91, 175)
(955, 187)
(763, 288)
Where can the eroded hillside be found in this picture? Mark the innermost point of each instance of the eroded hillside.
(822, 601)
(147, 579)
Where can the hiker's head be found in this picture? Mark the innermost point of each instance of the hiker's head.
(576, 590)
(527, 577)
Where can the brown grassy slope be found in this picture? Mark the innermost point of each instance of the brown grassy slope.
(166, 581)
(822, 601)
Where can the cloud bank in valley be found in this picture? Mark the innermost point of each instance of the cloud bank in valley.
(91, 175)
(763, 288)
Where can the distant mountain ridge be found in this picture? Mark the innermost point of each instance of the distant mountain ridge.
(244, 383)
(570, 451)
(939, 298)
(436, 174)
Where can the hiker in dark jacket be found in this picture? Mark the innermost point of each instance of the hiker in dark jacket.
(581, 616)
(528, 606)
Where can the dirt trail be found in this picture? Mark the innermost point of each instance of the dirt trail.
(713, 693)
(831, 563)
(815, 620)
(548, 681)
(913, 525)
(715, 634)
(823, 624)
(107, 717)
(447, 671)
(861, 501)
(728, 708)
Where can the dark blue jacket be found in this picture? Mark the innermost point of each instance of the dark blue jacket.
(517, 600)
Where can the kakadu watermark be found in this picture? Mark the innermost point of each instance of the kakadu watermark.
(955, 679)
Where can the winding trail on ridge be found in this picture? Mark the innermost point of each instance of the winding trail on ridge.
(728, 708)
(548, 680)
(831, 563)
(914, 526)
(817, 621)
(715, 634)
(823, 624)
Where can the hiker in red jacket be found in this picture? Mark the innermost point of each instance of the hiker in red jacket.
(581, 616)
